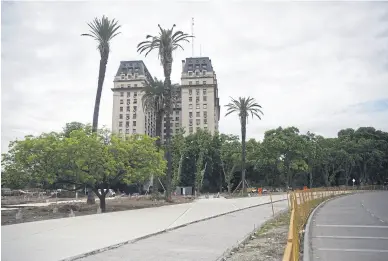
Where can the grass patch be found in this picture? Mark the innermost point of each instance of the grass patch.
(278, 221)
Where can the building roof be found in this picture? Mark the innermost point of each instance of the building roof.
(137, 66)
(201, 63)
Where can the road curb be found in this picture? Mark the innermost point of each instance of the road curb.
(94, 252)
(306, 239)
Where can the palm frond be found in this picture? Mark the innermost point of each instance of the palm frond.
(244, 106)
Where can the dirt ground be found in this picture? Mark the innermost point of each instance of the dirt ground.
(62, 210)
(267, 244)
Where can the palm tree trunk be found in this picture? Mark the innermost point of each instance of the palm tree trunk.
(101, 76)
(243, 152)
(167, 86)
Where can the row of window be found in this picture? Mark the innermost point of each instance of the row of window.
(197, 99)
(129, 109)
(198, 114)
(197, 73)
(127, 131)
(129, 76)
(197, 121)
(121, 116)
(128, 94)
(197, 91)
(197, 106)
(128, 101)
(127, 124)
(198, 128)
(197, 82)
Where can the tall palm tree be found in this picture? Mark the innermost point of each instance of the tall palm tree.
(244, 107)
(166, 42)
(103, 31)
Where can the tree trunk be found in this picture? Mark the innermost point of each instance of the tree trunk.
(243, 152)
(167, 86)
(101, 77)
(103, 202)
(91, 199)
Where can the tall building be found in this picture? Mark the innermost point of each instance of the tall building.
(128, 116)
(196, 104)
(199, 95)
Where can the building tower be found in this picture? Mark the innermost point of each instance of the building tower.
(199, 96)
(128, 116)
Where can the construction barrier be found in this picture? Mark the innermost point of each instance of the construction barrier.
(302, 202)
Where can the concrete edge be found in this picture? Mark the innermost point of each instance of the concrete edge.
(306, 238)
(245, 239)
(104, 249)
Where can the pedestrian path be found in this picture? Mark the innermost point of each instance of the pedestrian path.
(59, 239)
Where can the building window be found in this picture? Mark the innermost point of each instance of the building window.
(205, 114)
(197, 114)
(204, 98)
(129, 86)
(121, 109)
(127, 124)
(176, 124)
(190, 83)
(197, 99)
(121, 101)
(197, 92)
(135, 94)
(121, 94)
(120, 131)
(190, 99)
(127, 117)
(135, 101)
(176, 130)
(197, 73)
(120, 124)
(136, 74)
(134, 123)
(134, 116)
(197, 106)
(190, 114)
(204, 91)
(191, 129)
(134, 131)
(190, 106)
(128, 93)
(204, 72)
(135, 85)
(205, 106)
(122, 77)
(205, 128)
(128, 101)
(126, 131)
(197, 82)
(198, 128)
(204, 121)
(204, 82)
(177, 118)
(120, 116)
(190, 122)
(134, 108)
(190, 73)
(190, 92)
(128, 108)
(122, 85)
(198, 121)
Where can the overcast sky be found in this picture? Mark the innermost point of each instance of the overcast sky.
(317, 66)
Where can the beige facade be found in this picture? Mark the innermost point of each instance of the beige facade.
(128, 116)
(196, 103)
(200, 102)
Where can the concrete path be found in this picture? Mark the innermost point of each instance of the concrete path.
(353, 227)
(59, 239)
(205, 241)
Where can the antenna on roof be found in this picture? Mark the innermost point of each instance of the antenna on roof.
(192, 39)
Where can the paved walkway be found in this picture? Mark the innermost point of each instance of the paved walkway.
(59, 239)
(205, 241)
(353, 228)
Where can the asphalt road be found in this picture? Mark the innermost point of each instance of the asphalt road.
(352, 228)
(205, 241)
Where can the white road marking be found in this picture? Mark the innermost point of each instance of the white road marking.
(353, 250)
(352, 226)
(350, 237)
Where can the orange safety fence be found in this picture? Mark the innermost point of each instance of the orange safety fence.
(301, 203)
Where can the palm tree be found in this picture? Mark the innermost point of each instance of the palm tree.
(103, 31)
(244, 107)
(166, 42)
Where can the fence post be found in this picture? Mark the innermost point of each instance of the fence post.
(270, 197)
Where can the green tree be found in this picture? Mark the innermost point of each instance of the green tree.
(86, 160)
(103, 31)
(244, 107)
(166, 42)
(71, 126)
(230, 158)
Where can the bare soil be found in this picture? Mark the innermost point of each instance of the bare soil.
(62, 210)
(267, 244)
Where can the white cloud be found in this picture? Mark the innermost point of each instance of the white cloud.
(306, 63)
